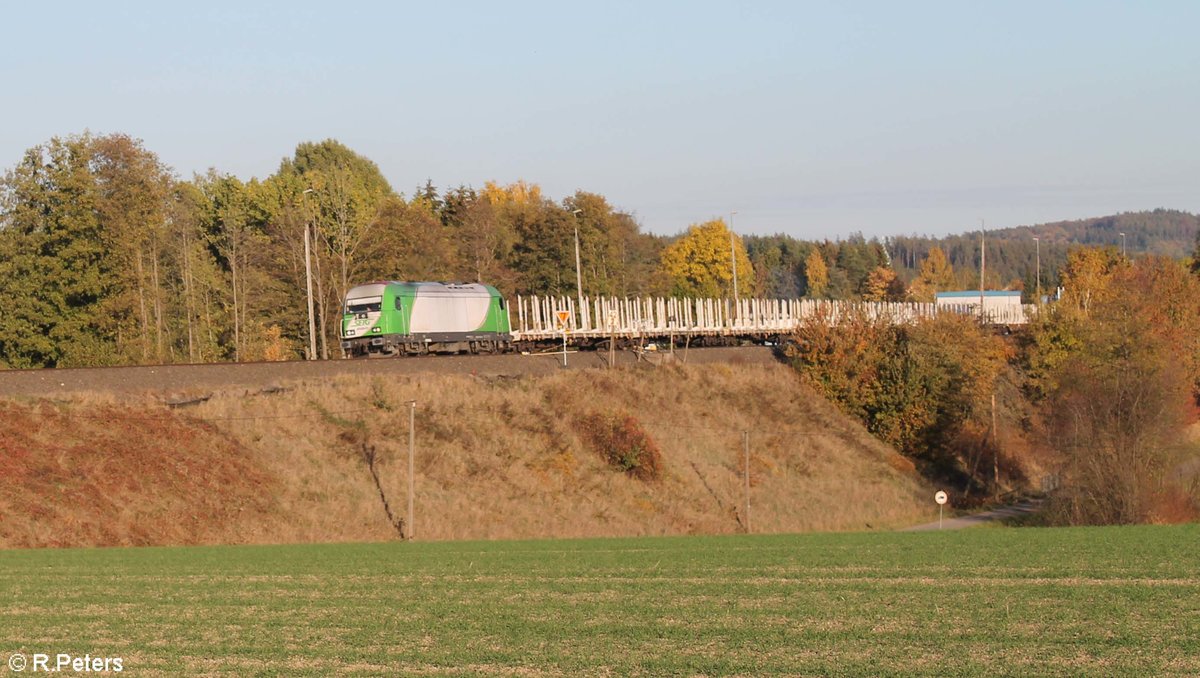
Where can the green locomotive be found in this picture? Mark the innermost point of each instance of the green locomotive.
(392, 318)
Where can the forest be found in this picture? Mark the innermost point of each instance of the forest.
(107, 257)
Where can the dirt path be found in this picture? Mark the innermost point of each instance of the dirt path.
(192, 379)
(1014, 511)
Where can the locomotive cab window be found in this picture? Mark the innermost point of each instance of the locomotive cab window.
(369, 305)
(399, 306)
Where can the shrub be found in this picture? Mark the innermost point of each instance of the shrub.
(622, 442)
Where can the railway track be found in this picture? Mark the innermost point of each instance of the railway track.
(175, 381)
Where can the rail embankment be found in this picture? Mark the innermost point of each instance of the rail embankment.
(633, 451)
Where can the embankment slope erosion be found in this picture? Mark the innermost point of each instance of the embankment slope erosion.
(495, 457)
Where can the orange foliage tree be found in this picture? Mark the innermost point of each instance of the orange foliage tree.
(1118, 367)
(918, 387)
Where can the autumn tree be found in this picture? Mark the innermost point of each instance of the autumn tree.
(543, 248)
(54, 268)
(232, 233)
(816, 274)
(883, 285)
(1087, 277)
(699, 263)
(1196, 256)
(922, 388)
(484, 240)
(198, 284)
(1120, 399)
(347, 192)
(132, 188)
(937, 275)
(429, 251)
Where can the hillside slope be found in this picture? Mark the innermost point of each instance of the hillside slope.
(1013, 254)
(496, 457)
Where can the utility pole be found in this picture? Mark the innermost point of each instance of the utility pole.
(982, 270)
(746, 475)
(995, 452)
(1122, 245)
(312, 321)
(1038, 249)
(412, 444)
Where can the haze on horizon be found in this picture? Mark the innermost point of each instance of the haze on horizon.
(812, 119)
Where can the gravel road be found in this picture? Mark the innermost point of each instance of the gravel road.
(1015, 510)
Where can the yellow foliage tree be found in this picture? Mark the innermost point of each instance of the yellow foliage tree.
(1087, 278)
(937, 275)
(816, 273)
(699, 265)
(519, 193)
(883, 285)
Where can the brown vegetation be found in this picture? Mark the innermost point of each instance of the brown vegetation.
(496, 457)
(621, 441)
(1118, 364)
(924, 387)
(99, 474)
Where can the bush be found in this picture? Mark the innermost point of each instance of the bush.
(922, 388)
(622, 442)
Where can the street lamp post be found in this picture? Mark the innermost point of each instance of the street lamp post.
(982, 270)
(1037, 243)
(733, 259)
(578, 269)
(312, 321)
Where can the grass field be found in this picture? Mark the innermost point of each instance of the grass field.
(1103, 601)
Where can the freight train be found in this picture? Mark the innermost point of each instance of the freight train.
(417, 318)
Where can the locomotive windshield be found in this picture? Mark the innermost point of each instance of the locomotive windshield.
(366, 305)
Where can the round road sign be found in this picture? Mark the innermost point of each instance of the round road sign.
(940, 497)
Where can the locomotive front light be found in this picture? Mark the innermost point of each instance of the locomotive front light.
(349, 333)
(374, 329)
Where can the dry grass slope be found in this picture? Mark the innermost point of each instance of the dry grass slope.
(99, 475)
(497, 457)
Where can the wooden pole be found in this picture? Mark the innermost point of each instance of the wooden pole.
(995, 452)
(746, 475)
(412, 438)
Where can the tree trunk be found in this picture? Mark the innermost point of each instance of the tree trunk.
(142, 305)
(189, 302)
(158, 319)
(237, 327)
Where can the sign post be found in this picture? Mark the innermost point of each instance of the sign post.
(563, 317)
(612, 339)
(940, 498)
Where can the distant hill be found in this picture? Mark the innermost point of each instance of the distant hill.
(780, 261)
(1169, 233)
(1012, 252)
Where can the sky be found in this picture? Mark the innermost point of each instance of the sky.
(814, 119)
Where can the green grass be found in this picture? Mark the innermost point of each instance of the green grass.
(1102, 601)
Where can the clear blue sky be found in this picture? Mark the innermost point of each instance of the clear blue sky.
(810, 118)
